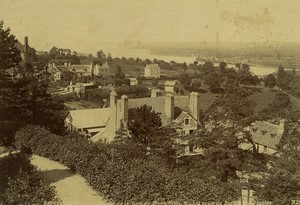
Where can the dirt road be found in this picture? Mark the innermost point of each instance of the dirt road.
(72, 189)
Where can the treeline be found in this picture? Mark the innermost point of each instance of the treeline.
(123, 173)
(21, 183)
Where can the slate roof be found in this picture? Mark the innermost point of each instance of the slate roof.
(62, 68)
(266, 133)
(152, 66)
(181, 117)
(81, 68)
(170, 83)
(90, 118)
(105, 65)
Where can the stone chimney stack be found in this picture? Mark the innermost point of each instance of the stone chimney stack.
(154, 93)
(26, 44)
(112, 99)
(124, 109)
(282, 124)
(169, 106)
(194, 105)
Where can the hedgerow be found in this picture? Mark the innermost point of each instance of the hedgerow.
(21, 183)
(122, 172)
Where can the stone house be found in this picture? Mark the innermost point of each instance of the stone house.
(102, 70)
(266, 136)
(152, 71)
(185, 119)
(28, 53)
(172, 86)
(133, 81)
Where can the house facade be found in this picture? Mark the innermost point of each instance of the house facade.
(185, 119)
(266, 136)
(152, 71)
(102, 70)
(171, 86)
(133, 81)
(27, 53)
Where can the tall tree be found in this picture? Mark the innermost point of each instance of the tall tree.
(270, 81)
(23, 98)
(9, 54)
(142, 123)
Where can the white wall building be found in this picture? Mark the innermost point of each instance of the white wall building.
(152, 71)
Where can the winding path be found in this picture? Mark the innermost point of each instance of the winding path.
(71, 188)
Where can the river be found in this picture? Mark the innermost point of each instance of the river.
(146, 54)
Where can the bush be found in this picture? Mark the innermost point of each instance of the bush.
(21, 183)
(121, 172)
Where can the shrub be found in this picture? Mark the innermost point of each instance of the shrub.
(21, 183)
(122, 172)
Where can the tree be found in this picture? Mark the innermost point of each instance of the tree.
(142, 123)
(24, 99)
(185, 80)
(213, 81)
(284, 79)
(9, 54)
(195, 66)
(245, 77)
(101, 54)
(222, 66)
(184, 66)
(270, 81)
(119, 76)
(9, 57)
(222, 157)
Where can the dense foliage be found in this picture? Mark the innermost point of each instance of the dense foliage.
(23, 94)
(123, 173)
(21, 183)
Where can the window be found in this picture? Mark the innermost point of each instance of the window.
(191, 131)
(273, 135)
(186, 121)
(263, 132)
(265, 148)
(254, 129)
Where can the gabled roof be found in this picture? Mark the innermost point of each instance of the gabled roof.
(54, 60)
(105, 65)
(81, 68)
(62, 68)
(90, 118)
(152, 66)
(182, 116)
(171, 82)
(266, 133)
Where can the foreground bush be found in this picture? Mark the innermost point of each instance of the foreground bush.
(21, 183)
(122, 172)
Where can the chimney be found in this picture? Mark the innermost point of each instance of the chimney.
(169, 106)
(112, 99)
(194, 105)
(124, 109)
(282, 124)
(154, 93)
(26, 44)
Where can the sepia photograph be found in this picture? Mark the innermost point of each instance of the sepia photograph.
(149, 102)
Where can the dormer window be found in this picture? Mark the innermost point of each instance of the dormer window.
(187, 121)
(273, 135)
(263, 132)
(254, 129)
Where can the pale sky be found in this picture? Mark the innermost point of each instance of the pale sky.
(89, 25)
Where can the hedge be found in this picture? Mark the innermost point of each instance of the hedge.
(122, 173)
(21, 183)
